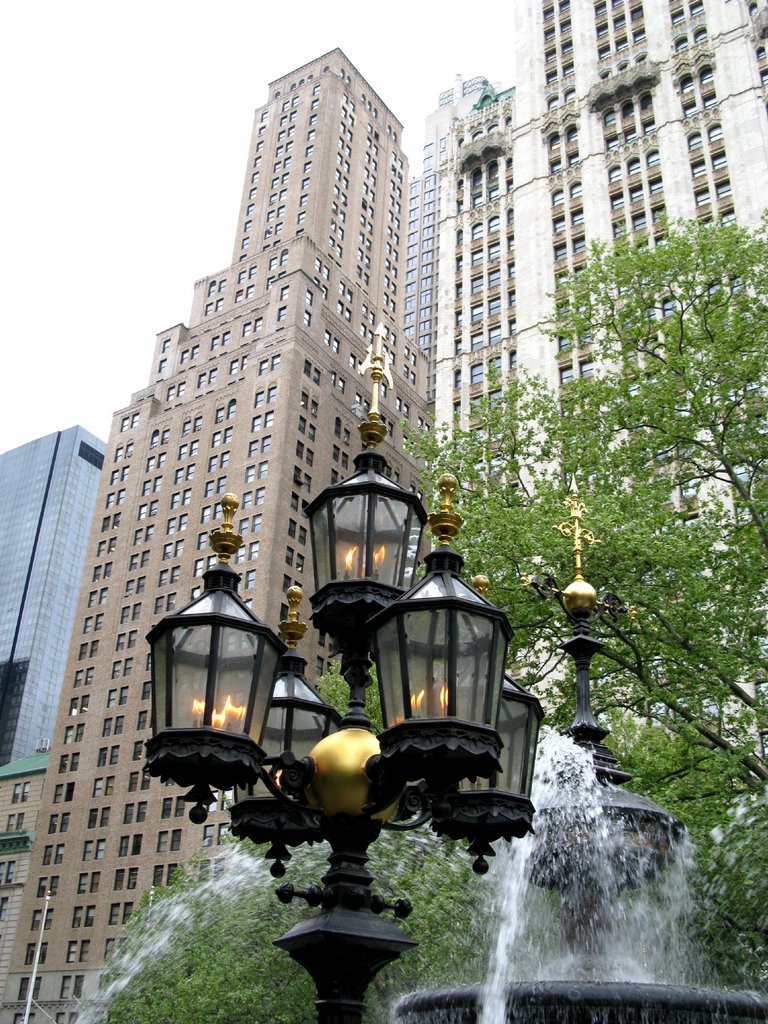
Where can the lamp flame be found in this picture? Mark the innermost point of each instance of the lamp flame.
(441, 693)
(224, 719)
(349, 558)
(379, 556)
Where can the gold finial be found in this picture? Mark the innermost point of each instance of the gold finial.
(291, 630)
(445, 524)
(579, 594)
(481, 584)
(373, 430)
(224, 541)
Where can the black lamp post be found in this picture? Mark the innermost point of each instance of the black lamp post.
(440, 651)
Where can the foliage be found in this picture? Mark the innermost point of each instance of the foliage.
(335, 689)
(680, 404)
(669, 444)
(204, 950)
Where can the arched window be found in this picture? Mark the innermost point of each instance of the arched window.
(477, 179)
(715, 133)
(558, 197)
(477, 230)
(633, 165)
(609, 118)
(492, 128)
(155, 439)
(628, 110)
(283, 257)
(571, 135)
(576, 190)
(681, 43)
(231, 408)
(694, 141)
(493, 225)
(700, 36)
(459, 238)
(554, 141)
(570, 94)
(614, 173)
(706, 77)
(211, 287)
(653, 159)
(686, 84)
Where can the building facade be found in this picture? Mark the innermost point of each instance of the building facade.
(259, 395)
(623, 112)
(49, 492)
(21, 790)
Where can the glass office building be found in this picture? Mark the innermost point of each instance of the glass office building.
(47, 494)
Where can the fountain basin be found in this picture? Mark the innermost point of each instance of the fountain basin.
(588, 1002)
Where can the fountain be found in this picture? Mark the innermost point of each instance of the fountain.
(593, 906)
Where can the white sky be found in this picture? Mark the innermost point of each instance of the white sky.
(125, 130)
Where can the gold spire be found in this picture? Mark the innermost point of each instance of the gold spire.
(579, 594)
(373, 430)
(224, 541)
(291, 630)
(445, 524)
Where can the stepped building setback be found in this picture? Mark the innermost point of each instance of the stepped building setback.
(259, 395)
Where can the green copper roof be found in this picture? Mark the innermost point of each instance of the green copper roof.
(34, 765)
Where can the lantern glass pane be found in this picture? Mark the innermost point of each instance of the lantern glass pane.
(388, 671)
(497, 679)
(320, 546)
(428, 643)
(412, 553)
(234, 671)
(218, 602)
(159, 669)
(191, 655)
(475, 638)
(273, 737)
(263, 673)
(513, 728)
(350, 523)
(308, 728)
(388, 521)
(532, 738)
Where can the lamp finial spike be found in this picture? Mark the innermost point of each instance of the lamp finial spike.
(224, 541)
(579, 593)
(373, 430)
(445, 523)
(291, 629)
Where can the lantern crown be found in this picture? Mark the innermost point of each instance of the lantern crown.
(445, 523)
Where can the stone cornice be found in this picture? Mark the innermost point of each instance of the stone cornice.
(610, 91)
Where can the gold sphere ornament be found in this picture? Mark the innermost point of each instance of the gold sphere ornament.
(580, 596)
(340, 784)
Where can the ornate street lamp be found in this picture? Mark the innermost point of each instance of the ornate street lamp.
(440, 651)
(213, 666)
(297, 720)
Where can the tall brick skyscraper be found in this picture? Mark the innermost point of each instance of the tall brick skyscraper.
(259, 395)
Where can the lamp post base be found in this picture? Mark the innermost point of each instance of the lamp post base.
(345, 945)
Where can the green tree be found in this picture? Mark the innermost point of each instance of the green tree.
(668, 441)
(203, 950)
